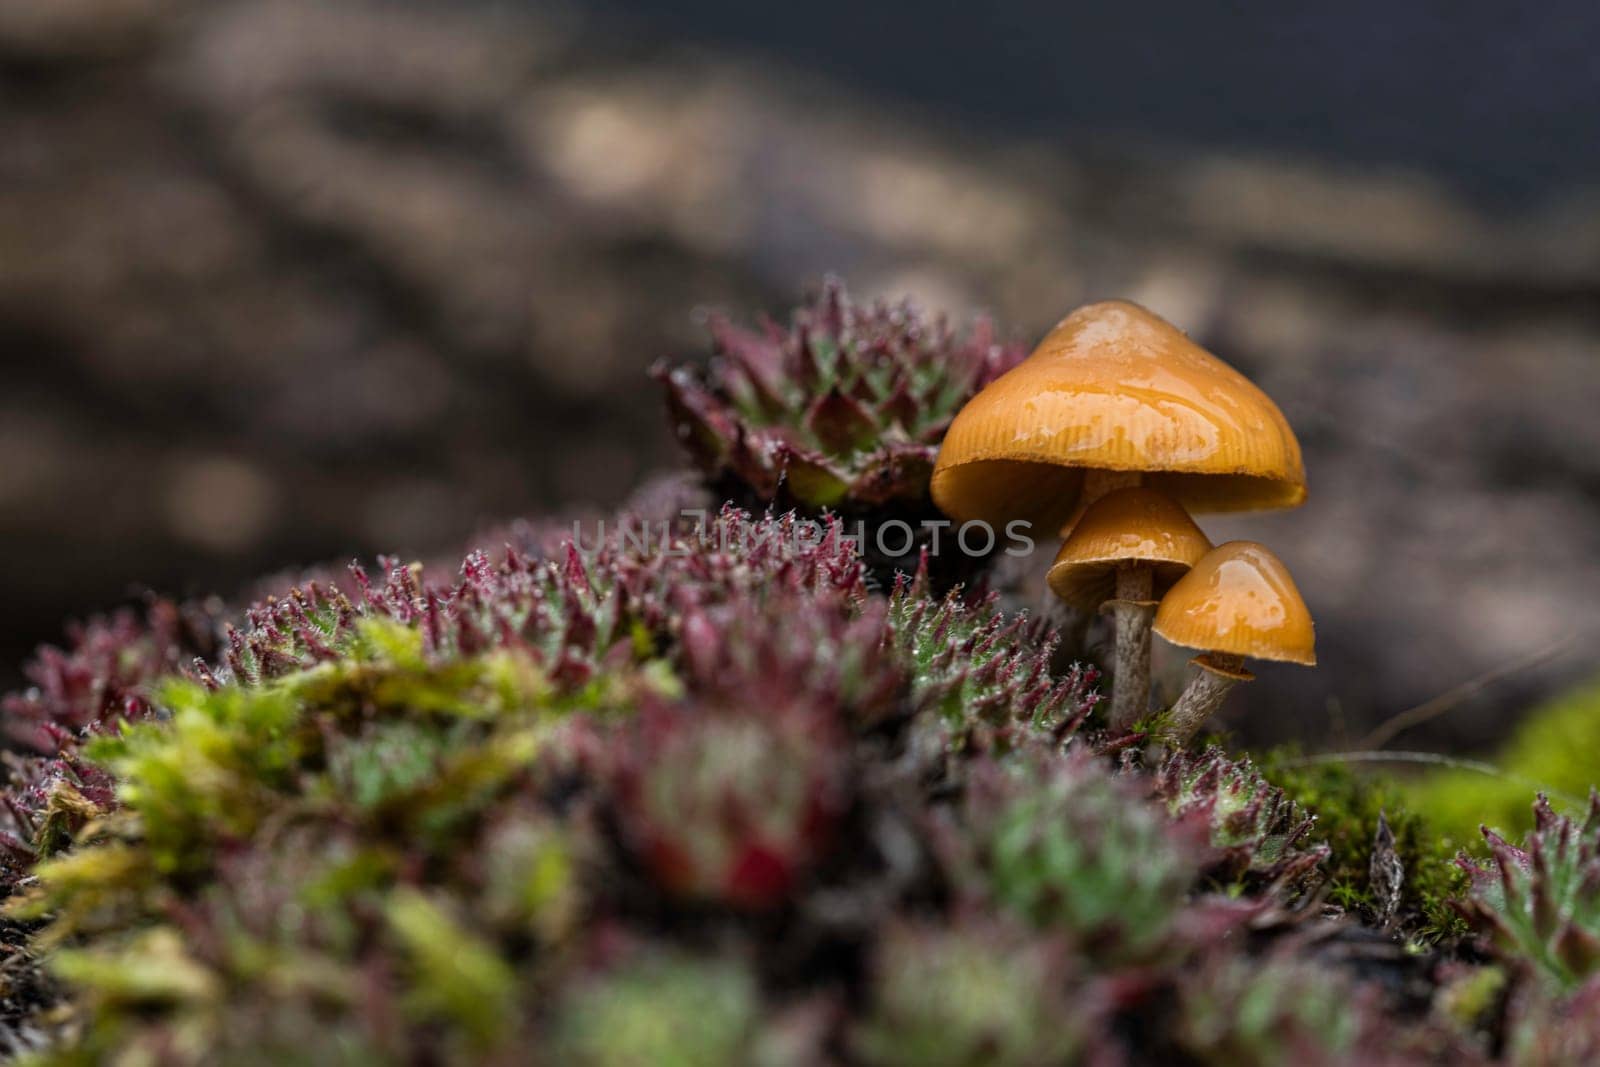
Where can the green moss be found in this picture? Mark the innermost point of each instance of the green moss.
(705, 807)
(1555, 750)
(1469, 1000)
(286, 823)
(376, 726)
(1347, 805)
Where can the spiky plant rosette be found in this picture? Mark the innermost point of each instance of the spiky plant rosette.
(731, 807)
(842, 410)
(1547, 1029)
(1057, 841)
(974, 667)
(631, 589)
(663, 1006)
(1234, 1011)
(1539, 905)
(1261, 837)
(979, 991)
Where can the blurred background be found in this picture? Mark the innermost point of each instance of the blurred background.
(283, 281)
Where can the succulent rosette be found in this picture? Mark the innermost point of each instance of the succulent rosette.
(1259, 835)
(844, 408)
(1539, 904)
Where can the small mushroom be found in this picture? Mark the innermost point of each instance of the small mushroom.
(1125, 552)
(1237, 603)
(1116, 396)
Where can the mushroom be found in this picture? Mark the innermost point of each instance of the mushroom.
(1116, 396)
(1238, 602)
(1124, 552)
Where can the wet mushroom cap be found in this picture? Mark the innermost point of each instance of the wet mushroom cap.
(1126, 526)
(1114, 387)
(1239, 599)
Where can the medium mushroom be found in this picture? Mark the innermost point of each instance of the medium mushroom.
(1125, 552)
(1116, 396)
(1237, 603)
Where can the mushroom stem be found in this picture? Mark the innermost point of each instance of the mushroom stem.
(1130, 694)
(1134, 608)
(1217, 673)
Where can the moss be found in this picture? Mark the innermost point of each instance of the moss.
(1552, 751)
(1469, 999)
(1346, 806)
(689, 805)
(270, 846)
(154, 970)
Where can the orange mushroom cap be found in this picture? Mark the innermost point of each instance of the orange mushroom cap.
(1239, 599)
(1115, 387)
(1125, 526)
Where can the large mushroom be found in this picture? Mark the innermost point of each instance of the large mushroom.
(1115, 397)
(1237, 603)
(1125, 551)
